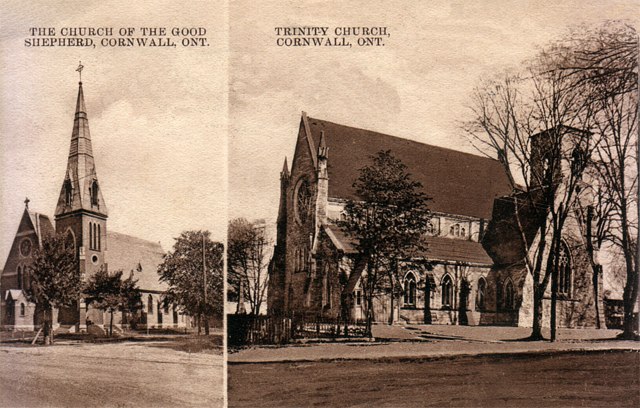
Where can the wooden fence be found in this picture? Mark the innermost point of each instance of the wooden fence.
(250, 329)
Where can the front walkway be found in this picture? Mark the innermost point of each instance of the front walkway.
(433, 341)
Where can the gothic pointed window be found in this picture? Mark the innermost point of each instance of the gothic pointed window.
(22, 309)
(481, 294)
(93, 192)
(68, 192)
(303, 201)
(410, 290)
(564, 271)
(149, 304)
(509, 296)
(98, 246)
(447, 291)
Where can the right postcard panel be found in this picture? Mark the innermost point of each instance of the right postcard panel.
(432, 204)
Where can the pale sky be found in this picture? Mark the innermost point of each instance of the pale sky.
(157, 118)
(417, 86)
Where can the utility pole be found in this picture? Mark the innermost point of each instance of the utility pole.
(204, 280)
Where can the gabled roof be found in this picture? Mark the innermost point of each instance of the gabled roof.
(459, 183)
(15, 295)
(42, 225)
(438, 248)
(129, 253)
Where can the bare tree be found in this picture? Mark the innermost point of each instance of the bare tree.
(603, 63)
(533, 124)
(248, 262)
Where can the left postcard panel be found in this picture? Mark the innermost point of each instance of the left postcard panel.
(113, 156)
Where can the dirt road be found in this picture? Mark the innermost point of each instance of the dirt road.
(588, 379)
(113, 375)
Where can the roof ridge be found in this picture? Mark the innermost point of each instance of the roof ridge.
(134, 237)
(404, 139)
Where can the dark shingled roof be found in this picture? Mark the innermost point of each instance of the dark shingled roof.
(459, 183)
(438, 248)
(126, 252)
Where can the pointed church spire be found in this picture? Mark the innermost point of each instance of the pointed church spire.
(80, 109)
(80, 188)
(285, 169)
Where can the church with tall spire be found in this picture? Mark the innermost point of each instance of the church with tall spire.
(81, 218)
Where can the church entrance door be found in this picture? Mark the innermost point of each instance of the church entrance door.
(11, 312)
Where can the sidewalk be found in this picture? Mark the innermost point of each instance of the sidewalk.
(424, 342)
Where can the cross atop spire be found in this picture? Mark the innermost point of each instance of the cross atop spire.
(79, 69)
(26, 203)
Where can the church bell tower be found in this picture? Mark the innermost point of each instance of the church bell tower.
(81, 212)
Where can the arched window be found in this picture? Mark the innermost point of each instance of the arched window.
(509, 296)
(98, 237)
(22, 309)
(149, 304)
(70, 240)
(447, 291)
(564, 270)
(451, 230)
(462, 232)
(93, 192)
(409, 290)
(19, 277)
(68, 192)
(481, 294)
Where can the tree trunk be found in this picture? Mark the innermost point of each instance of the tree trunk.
(462, 306)
(536, 331)
(369, 315)
(554, 300)
(206, 325)
(198, 318)
(596, 293)
(110, 323)
(427, 300)
(393, 303)
(47, 332)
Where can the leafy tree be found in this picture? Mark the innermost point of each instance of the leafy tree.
(388, 223)
(193, 271)
(55, 279)
(247, 263)
(109, 292)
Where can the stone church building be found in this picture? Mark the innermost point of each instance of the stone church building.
(473, 280)
(81, 218)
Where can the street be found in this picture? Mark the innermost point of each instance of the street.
(565, 379)
(149, 374)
